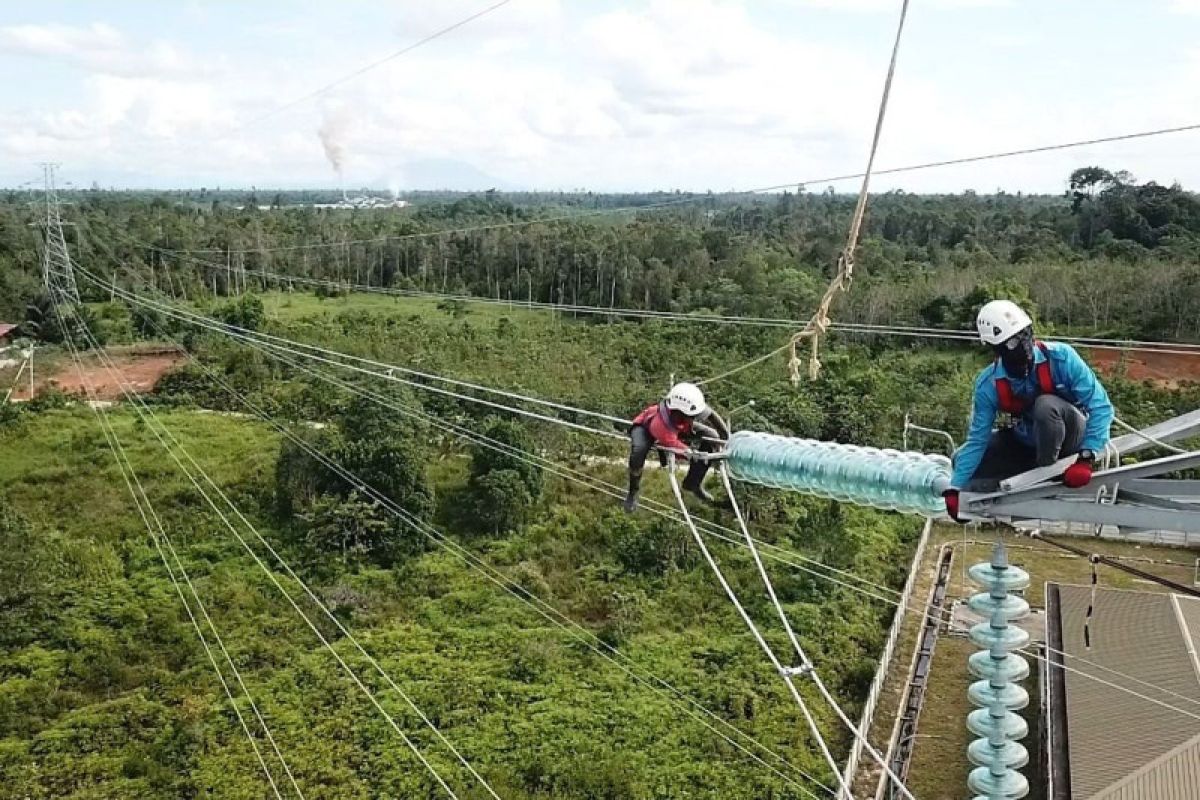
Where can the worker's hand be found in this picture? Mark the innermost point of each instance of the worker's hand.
(1078, 474)
(951, 498)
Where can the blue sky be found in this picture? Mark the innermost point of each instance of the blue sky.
(562, 94)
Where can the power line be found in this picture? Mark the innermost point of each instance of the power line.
(144, 413)
(174, 448)
(542, 608)
(159, 430)
(692, 198)
(146, 512)
(1174, 586)
(894, 602)
(367, 68)
(1025, 151)
(60, 284)
(804, 668)
(908, 331)
(203, 320)
(277, 351)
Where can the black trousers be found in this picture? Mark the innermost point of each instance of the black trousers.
(1058, 430)
(640, 444)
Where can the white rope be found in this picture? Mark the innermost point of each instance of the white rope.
(248, 337)
(807, 663)
(552, 615)
(1030, 653)
(146, 414)
(126, 469)
(785, 672)
(1143, 435)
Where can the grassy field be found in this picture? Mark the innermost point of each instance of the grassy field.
(300, 305)
(53, 459)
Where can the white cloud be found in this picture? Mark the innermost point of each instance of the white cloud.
(678, 93)
(60, 40)
(705, 66)
(688, 94)
(1185, 6)
(98, 47)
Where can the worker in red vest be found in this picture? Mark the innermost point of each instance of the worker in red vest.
(1055, 404)
(681, 417)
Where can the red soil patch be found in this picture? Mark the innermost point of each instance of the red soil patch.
(1166, 369)
(139, 371)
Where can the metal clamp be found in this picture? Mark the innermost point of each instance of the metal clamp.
(802, 671)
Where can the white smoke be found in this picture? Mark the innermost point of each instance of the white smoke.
(335, 124)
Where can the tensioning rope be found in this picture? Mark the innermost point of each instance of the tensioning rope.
(787, 673)
(819, 323)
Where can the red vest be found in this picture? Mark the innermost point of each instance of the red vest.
(1009, 402)
(662, 415)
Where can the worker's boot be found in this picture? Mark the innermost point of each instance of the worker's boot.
(635, 488)
(696, 487)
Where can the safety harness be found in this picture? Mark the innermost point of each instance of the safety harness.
(663, 413)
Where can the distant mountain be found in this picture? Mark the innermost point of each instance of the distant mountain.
(441, 173)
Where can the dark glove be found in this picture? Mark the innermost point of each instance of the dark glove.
(1078, 474)
(951, 498)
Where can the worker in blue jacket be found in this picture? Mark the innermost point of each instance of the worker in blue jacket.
(1055, 404)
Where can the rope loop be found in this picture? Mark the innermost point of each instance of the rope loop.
(845, 265)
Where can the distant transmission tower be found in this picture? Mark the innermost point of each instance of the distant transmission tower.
(57, 271)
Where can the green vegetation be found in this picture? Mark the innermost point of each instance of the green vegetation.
(126, 704)
(104, 688)
(921, 256)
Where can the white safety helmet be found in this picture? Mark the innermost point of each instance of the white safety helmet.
(687, 398)
(1000, 320)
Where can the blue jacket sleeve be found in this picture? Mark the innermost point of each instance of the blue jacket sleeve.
(984, 408)
(1089, 393)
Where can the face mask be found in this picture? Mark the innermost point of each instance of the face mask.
(1016, 354)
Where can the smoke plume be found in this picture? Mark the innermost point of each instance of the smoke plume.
(334, 127)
